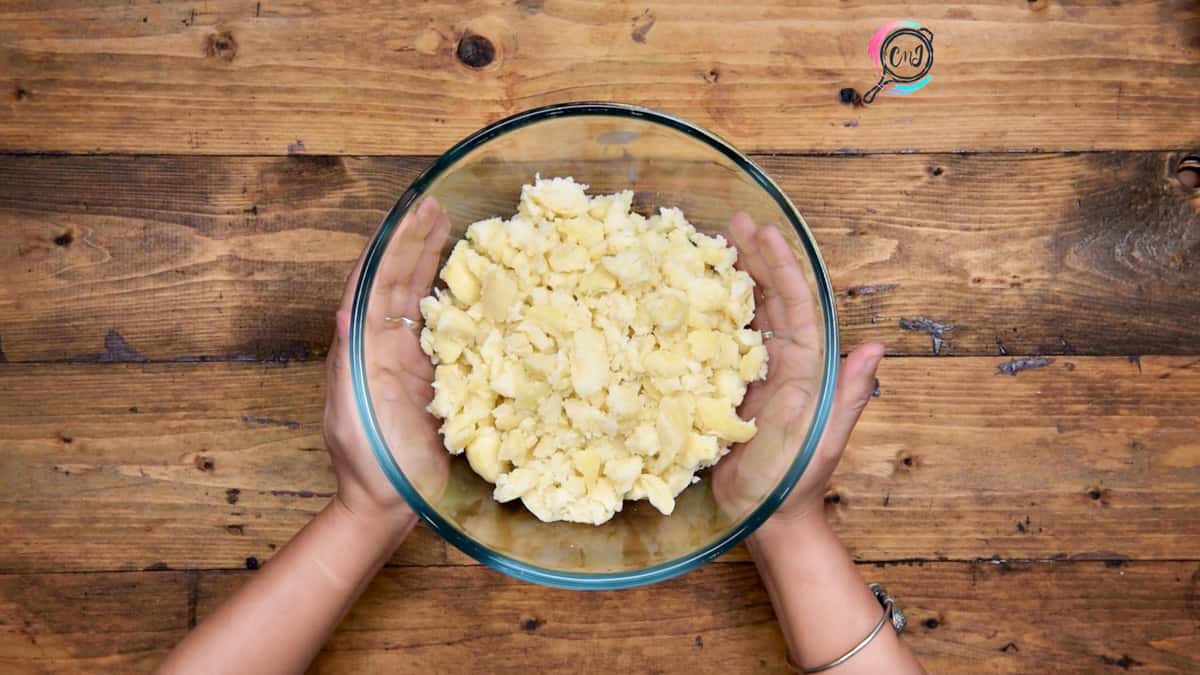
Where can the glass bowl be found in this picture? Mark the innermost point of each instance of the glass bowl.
(666, 161)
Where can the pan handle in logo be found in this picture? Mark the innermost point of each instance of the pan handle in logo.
(869, 97)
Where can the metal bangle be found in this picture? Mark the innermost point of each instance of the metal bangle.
(890, 611)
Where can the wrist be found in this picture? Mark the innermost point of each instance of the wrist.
(391, 522)
(805, 546)
(788, 529)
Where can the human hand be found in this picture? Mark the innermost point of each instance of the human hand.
(784, 403)
(399, 376)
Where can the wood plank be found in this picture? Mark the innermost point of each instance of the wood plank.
(719, 620)
(163, 466)
(320, 76)
(225, 258)
(70, 623)
(117, 258)
(980, 617)
(131, 466)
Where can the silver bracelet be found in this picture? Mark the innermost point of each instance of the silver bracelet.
(890, 611)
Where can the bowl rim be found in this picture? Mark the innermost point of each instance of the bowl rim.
(528, 571)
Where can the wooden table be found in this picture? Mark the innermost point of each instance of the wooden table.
(184, 185)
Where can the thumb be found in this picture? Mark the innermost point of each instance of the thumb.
(855, 384)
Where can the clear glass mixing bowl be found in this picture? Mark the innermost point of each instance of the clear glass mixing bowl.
(666, 161)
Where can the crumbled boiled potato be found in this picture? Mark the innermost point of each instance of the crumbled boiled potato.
(586, 354)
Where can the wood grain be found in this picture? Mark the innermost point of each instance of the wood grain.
(718, 620)
(318, 76)
(980, 617)
(111, 623)
(117, 258)
(184, 466)
(157, 466)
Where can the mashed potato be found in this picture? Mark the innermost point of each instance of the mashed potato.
(585, 354)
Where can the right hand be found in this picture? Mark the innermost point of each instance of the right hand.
(782, 405)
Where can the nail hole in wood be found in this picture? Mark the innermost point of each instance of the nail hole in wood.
(1188, 171)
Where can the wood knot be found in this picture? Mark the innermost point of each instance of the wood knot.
(222, 46)
(64, 239)
(476, 51)
(252, 563)
(20, 93)
(641, 26)
(850, 96)
(1124, 663)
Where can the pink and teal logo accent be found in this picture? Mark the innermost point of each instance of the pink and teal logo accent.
(903, 53)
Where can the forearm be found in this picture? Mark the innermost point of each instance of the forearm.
(823, 605)
(278, 621)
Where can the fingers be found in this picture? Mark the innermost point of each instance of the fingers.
(410, 273)
(391, 286)
(855, 384)
(793, 311)
(406, 296)
(404, 230)
(788, 307)
(413, 255)
(744, 235)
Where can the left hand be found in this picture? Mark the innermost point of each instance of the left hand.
(399, 376)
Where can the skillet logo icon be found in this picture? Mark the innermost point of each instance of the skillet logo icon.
(903, 52)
